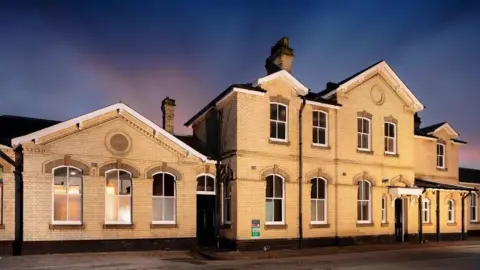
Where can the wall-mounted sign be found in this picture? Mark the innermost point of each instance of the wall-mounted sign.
(255, 228)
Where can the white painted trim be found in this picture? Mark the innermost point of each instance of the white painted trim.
(394, 137)
(273, 198)
(443, 156)
(369, 135)
(163, 222)
(327, 115)
(119, 107)
(325, 200)
(458, 143)
(380, 66)
(425, 138)
(174, 221)
(322, 104)
(426, 209)
(279, 121)
(398, 191)
(66, 222)
(447, 127)
(476, 207)
(235, 89)
(205, 192)
(5, 147)
(467, 183)
(289, 78)
(453, 211)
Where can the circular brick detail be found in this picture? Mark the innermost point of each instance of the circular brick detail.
(118, 142)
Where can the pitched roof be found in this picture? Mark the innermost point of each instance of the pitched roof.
(119, 107)
(211, 104)
(333, 86)
(431, 128)
(13, 126)
(431, 184)
(469, 175)
(196, 144)
(418, 132)
(317, 97)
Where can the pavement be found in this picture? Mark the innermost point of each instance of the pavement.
(449, 255)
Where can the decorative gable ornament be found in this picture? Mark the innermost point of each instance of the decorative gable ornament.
(288, 78)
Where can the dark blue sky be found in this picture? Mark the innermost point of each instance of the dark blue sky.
(60, 59)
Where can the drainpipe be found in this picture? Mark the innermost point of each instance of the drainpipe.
(438, 214)
(463, 214)
(218, 176)
(300, 175)
(420, 224)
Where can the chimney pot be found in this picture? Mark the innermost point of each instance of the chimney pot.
(168, 111)
(281, 57)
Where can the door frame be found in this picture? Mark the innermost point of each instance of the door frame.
(402, 217)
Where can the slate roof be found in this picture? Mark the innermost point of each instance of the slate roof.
(12, 126)
(431, 184)
(468, 175)
(317, 97)
(227, 91)
(419, 132)
(331, 86)
(196, 144)
(431, 128)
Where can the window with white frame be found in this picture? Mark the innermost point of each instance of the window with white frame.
(473, 207)
(451, 211)
(320, 128)
(227, 218)
(384, 209)
(118, 197)
(1, 195)
(205, 184)
(67, 195)
(278, 121)
(363, 129)
(364, 202)
(426, 211)
(440, 155)
(318, 201)
(390, 130)
(275, 199)
(163, 198)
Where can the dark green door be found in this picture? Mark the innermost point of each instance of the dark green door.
(206, 220)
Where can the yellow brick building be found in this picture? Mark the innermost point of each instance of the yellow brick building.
(350, 164)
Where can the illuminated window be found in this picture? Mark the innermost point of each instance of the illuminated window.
(67, 195)
(364, 202)
(163, 198)
(318, 201)
(275, 200)
(118, 197)
(278, 122)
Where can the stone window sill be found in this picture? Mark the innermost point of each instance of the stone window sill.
(316, 226)
(276, 226)
(476, 222)
(391, 154)
(384, 224)
(54, 227)
(366, 152)
(2, 226)
(119, 226)
(321, 147)
(365, 224)
(278, 142)
(427, 223)
(442, 169)
(163, 226)
(226, 226)
(451, 224)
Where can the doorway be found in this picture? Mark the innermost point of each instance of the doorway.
(399, 220)
(206, 210)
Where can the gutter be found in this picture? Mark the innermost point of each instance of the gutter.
(300, 174)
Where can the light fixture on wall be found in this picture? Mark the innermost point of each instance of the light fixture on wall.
(384, 180)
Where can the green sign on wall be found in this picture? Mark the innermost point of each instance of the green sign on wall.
(255, 228)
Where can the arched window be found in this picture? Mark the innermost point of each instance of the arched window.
(473, 207)
(163, 204)
(364, 202)
(275, 204)
(227, 212)
(451, 211)
(426, 211)
(206, 184)
(278, 122)
(67, 195)
(318, 201)
(118, 197)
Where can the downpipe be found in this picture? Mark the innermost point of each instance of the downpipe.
(300, 174)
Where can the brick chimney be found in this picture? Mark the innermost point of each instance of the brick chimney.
(417, 121)
(168, 110)
(281, 57)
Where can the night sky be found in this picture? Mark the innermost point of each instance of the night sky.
(61, 59)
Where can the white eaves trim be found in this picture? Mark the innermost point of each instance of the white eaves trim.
(310, 102)
(115, 107)
(425, 138)
(447, 127)
(5, 146)
(235, 89)
(380, 66)
(467, 183)
(301, 89)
